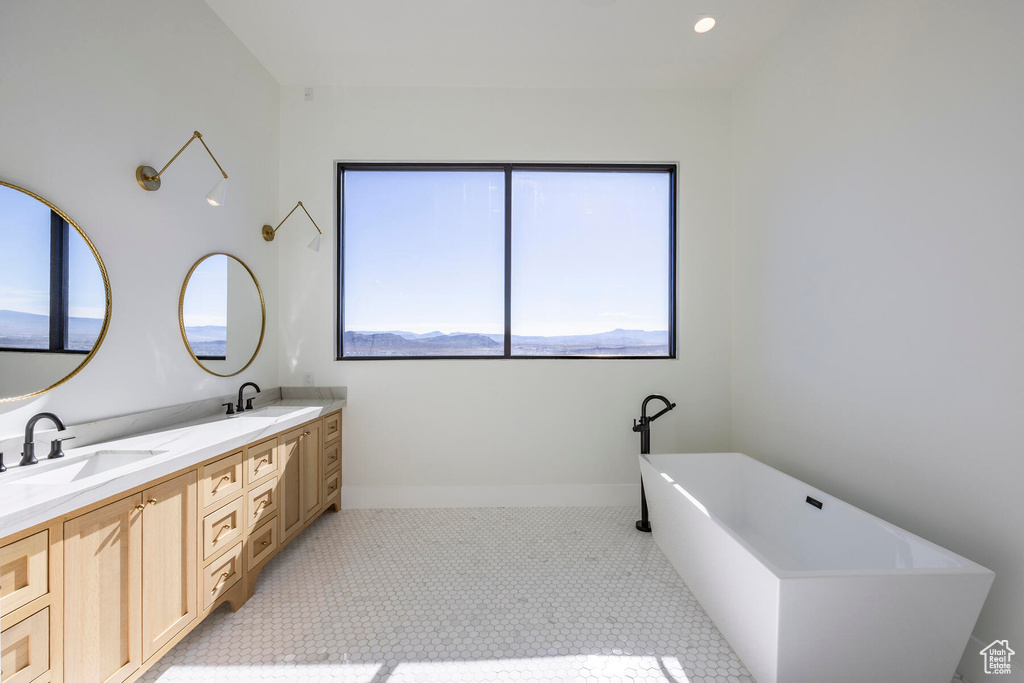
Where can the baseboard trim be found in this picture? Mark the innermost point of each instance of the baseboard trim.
(557, 495)
(972, 666)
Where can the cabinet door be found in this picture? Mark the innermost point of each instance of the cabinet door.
(312, 471)
(103, 593)
(290, 482)
(168, 560)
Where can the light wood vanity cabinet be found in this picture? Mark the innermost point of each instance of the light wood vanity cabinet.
(311, 455)
(100, 594)
(169, 551)
(103, 592)
(129, 580)
(289, 487)
(300, 453)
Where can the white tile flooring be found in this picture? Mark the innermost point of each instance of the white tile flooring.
(484, 594)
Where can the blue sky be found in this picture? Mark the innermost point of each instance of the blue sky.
(590, 251)
(25, 279)
(206, 299)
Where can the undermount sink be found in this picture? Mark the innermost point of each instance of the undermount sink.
(87, 466)
(269, 411)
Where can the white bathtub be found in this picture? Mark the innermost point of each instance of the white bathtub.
(809, 595)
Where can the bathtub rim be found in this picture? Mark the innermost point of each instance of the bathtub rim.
(969, 566)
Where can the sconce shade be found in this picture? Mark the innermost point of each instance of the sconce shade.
(315, 244)
(216, 196)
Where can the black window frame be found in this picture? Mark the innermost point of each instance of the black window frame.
(60, 269)
(507, 168)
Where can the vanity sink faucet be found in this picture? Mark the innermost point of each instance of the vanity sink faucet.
(28, 455)
(248, 403)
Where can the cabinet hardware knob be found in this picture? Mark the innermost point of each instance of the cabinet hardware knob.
(140, 507)
(265, 543)
(226, 477)
(220, 582)
(224, 528)
(151, 501)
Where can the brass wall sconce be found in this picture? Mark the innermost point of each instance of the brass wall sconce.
(149, 178)
(269, 232)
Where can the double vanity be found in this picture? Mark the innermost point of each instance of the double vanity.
(113, 553)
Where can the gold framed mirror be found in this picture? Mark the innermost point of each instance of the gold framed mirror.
(221, 314)
(54, 296)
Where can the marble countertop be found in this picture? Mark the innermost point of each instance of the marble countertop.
(104, 468)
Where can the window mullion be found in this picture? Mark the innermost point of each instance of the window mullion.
(59, 266)
(508, 260)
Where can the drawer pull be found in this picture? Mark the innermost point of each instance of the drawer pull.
(333, 457)
(220, 533)
(260, 507)
(265, 543)
(226, 477)
(330, 489)
(260, 464)
(220, 582)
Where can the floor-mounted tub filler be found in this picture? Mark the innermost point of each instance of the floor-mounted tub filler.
(807, 588)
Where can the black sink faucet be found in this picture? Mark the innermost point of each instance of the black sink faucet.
(248, 403)
(28, 455)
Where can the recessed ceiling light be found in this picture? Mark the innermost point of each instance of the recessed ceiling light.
(704, 25)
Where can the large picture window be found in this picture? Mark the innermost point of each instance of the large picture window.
(506, 261)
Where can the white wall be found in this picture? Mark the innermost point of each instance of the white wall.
(540, 425)
(90, 90)
(878, 319)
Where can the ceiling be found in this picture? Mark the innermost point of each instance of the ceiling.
(506, 43)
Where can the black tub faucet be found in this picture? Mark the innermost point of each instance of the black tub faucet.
(28, 454)
(644, 427)
(248, 403)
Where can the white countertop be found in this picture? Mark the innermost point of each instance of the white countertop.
(88, 474)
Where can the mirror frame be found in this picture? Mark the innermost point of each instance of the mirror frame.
(181, 314)
(106, 287)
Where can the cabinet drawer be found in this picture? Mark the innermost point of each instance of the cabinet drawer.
(332, 427)
(261, 461)
(222, 528)
(24, 571)
(221, 479)
(261, 543)
(332, 485)
(261, 503)
(332, 457)
(222, 575)
(26, 648)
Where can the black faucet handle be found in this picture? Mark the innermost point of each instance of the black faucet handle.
(3, 467)
(56, 447)
(248, 403)
(231, 408)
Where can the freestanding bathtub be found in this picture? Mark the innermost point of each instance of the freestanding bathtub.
(806, 588)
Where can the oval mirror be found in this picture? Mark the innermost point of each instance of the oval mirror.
(222, 314)
(54, 296)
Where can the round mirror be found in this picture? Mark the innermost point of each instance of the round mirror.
(222, 314)
(54, 296)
